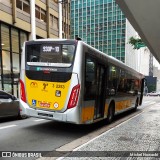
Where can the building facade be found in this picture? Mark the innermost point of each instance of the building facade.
(16, 27)
(137, 59)
(101, 24)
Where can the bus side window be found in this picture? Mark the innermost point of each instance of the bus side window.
(122, 81)
(113, 80)
(90, 79)
(67, 53)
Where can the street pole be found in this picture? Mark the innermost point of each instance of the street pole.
(60, 20)
(65, 19)
(33, 20)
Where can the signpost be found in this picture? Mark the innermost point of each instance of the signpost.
(139, 45)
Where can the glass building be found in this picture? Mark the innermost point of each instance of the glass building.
(101, 24)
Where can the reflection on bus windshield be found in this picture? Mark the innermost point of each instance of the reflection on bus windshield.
(50, 53)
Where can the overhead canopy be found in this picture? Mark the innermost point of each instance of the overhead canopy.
(144, 15)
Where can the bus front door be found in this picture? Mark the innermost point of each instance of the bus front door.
(100, 94)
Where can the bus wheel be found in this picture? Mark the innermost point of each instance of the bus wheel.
(136, 105)
(110, 114)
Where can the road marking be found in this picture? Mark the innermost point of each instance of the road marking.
(8, 126)
(149, 103)
(38, 120)
(152, 103)
(146, 101)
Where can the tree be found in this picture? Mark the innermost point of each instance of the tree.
(137, 43)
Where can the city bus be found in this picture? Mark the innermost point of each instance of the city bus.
(70, 81)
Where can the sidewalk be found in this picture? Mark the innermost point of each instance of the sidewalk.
(138, 137)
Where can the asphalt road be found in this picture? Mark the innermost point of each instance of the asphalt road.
(44, 135)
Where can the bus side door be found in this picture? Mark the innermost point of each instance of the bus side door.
(100, 92)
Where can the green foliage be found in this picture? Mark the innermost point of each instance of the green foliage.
(136, 43)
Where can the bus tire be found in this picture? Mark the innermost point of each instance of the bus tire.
(110, 114)
(136, 104)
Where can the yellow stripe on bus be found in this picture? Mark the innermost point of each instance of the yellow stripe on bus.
(87, 113)
(122, 105)
(106, 109)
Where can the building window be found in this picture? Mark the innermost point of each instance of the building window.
(54, 22)
(11, 42)
(40, 14)
(23, 5)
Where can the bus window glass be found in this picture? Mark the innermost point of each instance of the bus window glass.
(129, 84)
(113, 80)
(121, 86)
(50, 55)
(90, 79)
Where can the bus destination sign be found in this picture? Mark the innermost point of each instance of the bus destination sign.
(49, 48)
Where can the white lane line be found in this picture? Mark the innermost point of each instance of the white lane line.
(147, 101)
(152, 103)
(8, 126)
(38, 120)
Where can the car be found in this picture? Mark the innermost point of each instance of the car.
(153, 93)
(9, 106)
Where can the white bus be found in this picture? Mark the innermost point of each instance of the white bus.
(70, 81)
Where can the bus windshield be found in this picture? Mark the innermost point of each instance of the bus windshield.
(49, 54)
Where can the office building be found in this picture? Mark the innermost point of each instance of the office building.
(18, 25)
(101, 24)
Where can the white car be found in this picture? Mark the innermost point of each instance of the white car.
(153, 93)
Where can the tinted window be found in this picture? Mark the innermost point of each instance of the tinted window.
(90, 79)
(53, 54)
(113, 80)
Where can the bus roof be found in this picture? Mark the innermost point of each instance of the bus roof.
(53, 39)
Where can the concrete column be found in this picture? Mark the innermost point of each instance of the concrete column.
(33, 20)
(60, 19)
(14, 11)
(48, 18)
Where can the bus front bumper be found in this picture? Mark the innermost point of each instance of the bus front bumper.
(69, 116)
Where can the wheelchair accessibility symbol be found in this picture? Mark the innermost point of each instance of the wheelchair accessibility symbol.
(34, 102)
